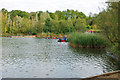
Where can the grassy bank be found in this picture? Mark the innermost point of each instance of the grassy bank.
(85, 40)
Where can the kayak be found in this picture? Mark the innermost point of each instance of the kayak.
(59, 40)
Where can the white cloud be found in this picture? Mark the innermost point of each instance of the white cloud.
(85, 6)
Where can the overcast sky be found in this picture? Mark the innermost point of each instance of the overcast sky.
(86, 6)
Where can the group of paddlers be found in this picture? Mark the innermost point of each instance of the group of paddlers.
(65, 39)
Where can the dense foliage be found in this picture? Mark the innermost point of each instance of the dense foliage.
(63, 22)
(108, 21)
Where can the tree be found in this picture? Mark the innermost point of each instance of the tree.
(108, 21)
(4, 22)
(0, 23)
(47, 27)
(39, 14)
(55, 26)
(61, 15)
(17, 21)
(14, 13)
(80, 25)
(52, 15)
(4, 10)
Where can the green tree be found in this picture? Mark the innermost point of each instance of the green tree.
(47, 27)
(108, 21)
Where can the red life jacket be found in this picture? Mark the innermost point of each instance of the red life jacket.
(54, 38)
(58, 39)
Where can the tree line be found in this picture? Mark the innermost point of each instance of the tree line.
(109, 21)
(63, 22)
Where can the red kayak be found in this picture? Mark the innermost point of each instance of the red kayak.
(63, 41)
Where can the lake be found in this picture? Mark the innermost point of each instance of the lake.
(42, 58)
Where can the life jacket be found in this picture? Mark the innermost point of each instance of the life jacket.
(54, 38)
(59, 40)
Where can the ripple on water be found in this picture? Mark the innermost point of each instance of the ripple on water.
(43, 58)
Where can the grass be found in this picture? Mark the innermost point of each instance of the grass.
(88, 40)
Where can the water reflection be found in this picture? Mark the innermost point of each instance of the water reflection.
(41, 58)
(99, 57)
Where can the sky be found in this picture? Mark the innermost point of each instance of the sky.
(85, 6)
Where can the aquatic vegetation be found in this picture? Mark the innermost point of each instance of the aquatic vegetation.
(88, 40)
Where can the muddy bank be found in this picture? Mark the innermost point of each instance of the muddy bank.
(80, 46)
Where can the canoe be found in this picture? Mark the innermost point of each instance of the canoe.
(62, 40)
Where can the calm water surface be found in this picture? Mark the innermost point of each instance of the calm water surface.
(41, 58)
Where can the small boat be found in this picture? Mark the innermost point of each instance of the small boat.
(62, 40)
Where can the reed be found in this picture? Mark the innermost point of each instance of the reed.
(88, 40)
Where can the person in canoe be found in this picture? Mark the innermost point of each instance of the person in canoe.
(48, 37)
(63, 40)
(59, 40)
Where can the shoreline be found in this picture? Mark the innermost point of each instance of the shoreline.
(38, 35)
(24, 36)
(27, 36)
(80, 46)
(113, 55)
